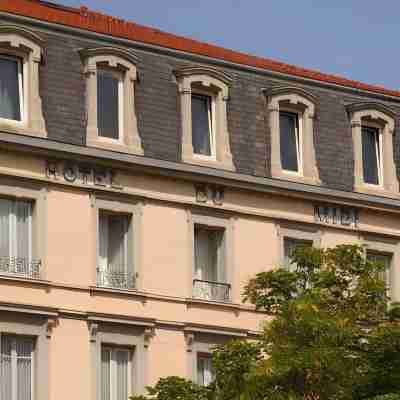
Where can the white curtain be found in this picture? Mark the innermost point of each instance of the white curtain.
(9, 89)
(205, 254)
(5, 213)
(205, 374)
(122, 359)
(103, 242)
(16, 357)
(105, 374)
(24, 349)
(23, 227)
(5, 368)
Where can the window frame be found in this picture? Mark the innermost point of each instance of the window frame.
(27, 47)
(387, 247)
(379, 116)
(21, 84)
(214, 83)
(212, 223)
(133, 335)
(36, 195)
(291, 231)
(14, 365)
(122, 62)
(296, 100)
(299, 140)
(113, 367)
(133, 210)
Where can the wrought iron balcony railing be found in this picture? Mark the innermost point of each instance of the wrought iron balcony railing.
(20, 266)
(116, 279)
(207, 290)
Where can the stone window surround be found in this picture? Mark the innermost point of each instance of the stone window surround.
(134, 210)
(12, 189)
(215, 84)
(124, 62)
(292, 231)
(203, 341)
(131, 334)
(293, 99)
(386, 246)
(226, 223)
(39, 324)
(27, 46)
(376, 115)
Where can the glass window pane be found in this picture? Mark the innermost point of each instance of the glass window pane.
(23, 216)
(116, 242)
(10, 102)
(107, 104)
(370, 145)
(206, 254)
(288, 125)
(201, 129)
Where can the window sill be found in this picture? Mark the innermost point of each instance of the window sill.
(119, 147)
(123, 292)
(376, 191)
(213, 303)
(19, 128)
(226, 165)
(22, 279)
(308, 180)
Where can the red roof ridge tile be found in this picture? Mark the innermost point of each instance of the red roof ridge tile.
(85, 19)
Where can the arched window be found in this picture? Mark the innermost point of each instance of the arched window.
(110, 99)
(291, 115)
(20, 103)
(372, 129)
(205, 137)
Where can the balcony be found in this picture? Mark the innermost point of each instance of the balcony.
(20, 267)
(116, 280)
(214, 291)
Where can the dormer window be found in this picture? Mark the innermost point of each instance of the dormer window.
(291, 116)
(205, 137)
(372, 127)
(20, 103)
(110, 99)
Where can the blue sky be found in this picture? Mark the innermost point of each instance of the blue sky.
(357, 39)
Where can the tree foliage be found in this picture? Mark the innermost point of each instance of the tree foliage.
(330, 333)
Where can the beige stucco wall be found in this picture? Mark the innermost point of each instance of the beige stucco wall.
(164, 264)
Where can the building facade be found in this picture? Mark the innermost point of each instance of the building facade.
(145, 178)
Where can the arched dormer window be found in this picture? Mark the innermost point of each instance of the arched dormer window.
(203, 96)
(291, 116)
(20, 102)
(110, 99)
(372, 126)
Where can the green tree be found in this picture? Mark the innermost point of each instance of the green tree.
(329, 333)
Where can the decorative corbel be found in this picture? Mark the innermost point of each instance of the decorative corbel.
(93, 331)
(50, 324)
(189, 338)
(148, 334)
